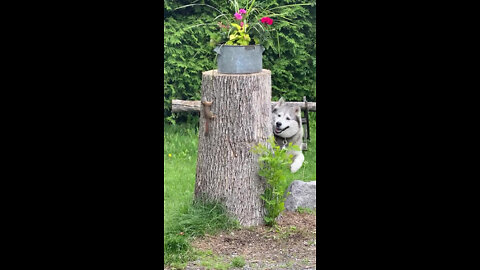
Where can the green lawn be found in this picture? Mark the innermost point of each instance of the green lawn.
(180, 159)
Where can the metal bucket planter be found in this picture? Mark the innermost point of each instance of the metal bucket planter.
(239, 59)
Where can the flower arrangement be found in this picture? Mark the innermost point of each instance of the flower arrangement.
(240, 32)
(240, 35)
(250, 24)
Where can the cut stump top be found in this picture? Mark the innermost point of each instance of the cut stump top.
(216, 74)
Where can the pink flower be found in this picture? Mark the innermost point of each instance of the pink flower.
(241, 24)
(267, 20)
(238, 16)
(242, 11)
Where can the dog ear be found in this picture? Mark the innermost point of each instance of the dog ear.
(281, 101)
(298, 113)
(297, 110)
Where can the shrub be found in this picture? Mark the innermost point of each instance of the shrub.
(274, 165)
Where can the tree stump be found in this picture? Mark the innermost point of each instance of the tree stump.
(226, 169)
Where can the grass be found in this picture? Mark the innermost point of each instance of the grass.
(184, 220)
(302, 210)
(210, 261)
(196, 219)
(180, 157)
(238, 261)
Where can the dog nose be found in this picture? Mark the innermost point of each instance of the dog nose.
(278, 124)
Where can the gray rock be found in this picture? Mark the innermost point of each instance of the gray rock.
(302, 194)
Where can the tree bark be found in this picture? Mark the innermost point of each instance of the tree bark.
(226, 169)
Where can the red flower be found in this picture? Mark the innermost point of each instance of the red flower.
(267, 20)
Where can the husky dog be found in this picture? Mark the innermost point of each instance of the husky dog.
(287, 128)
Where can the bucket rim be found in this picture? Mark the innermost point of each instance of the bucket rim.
(239, 45)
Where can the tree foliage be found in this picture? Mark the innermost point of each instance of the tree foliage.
(290, 51)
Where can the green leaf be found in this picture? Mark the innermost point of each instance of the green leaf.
(236, 26)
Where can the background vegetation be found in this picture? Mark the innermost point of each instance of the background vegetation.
(290, 54)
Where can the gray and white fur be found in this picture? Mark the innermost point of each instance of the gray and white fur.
(287, 128)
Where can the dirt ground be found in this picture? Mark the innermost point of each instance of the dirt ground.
(290, 245)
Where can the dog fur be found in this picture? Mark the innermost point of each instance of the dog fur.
(287, 128)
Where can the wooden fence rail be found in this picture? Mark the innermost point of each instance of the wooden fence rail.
(194, 105)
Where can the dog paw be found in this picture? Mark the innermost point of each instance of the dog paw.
(294, 168)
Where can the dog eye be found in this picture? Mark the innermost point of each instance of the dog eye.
(288, 118)
(279, 115)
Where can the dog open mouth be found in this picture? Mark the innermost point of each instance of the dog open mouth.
(278, 131)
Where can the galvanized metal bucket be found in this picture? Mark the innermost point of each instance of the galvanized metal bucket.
(239, 59)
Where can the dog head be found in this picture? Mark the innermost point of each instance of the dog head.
(285, 120)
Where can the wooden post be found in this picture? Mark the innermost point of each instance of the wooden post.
(226, 169)
(194, 105)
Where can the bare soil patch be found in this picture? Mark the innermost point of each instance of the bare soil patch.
(290, 245)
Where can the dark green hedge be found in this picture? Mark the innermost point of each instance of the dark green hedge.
(290, 54)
